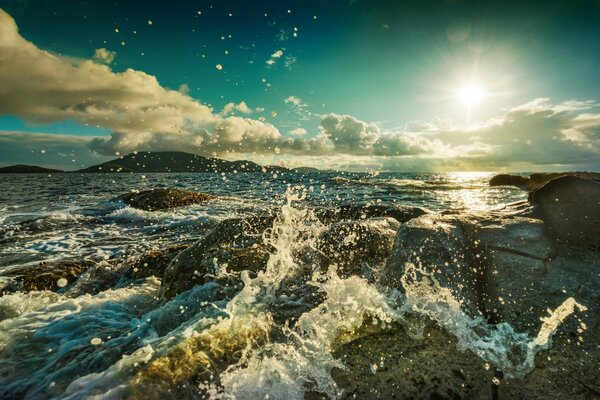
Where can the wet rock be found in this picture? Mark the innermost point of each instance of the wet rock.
(234, 244)
(237, 244)
(437, 245)
(358, 246)
(523, 274)
(43, 276)
(99, 277)
(510, 180)
(400, 213)
(540, 179)
(505, 268)
(512, 253)
(536, 181)
(390, 364)
(394, 364)
(162, 199)
(154, 262)
(570, 206)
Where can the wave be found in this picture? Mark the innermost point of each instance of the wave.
(395, 183)
(229, 335)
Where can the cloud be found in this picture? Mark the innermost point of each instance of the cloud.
(296, 101)
(298, 131)
(230, 108)
(298, 106)
(48, 150)
(274, 57)
(350, 135)
(104, 56)
(41, 87)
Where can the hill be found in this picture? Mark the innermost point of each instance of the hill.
(27, 169)
(176, 161)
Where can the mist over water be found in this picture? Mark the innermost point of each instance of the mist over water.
(254, 334)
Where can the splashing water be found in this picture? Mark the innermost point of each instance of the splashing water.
(511, 352)
(233, 342)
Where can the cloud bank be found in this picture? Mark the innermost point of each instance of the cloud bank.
(41, 87)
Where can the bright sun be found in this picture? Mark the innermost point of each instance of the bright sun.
(471, 94)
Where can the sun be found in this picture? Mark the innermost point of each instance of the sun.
(471, 94)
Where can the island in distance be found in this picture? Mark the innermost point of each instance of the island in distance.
(167, 161)
(27, 169)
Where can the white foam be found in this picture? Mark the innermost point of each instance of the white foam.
(511, 352)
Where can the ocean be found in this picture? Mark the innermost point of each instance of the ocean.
(270, 333)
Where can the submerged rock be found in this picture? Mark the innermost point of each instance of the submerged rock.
(570, 207)
(162, 199)
(44, 276)
(99, 277)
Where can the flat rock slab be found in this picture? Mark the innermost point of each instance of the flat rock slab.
(163, 199)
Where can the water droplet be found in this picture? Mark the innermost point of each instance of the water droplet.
(96, 341)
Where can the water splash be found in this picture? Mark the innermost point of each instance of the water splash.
(231, 342)
(509, 351)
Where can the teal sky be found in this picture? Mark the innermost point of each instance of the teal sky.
(400, 84)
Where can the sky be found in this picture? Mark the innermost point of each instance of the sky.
(424, 85)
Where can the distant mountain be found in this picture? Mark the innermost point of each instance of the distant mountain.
(308, 170)
(177, 161)
(27, 169)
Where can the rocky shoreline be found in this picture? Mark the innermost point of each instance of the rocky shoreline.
(508, 266)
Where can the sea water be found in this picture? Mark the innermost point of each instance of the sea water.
(124, 341)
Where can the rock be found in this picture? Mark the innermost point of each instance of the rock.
(437, 245)
(536, 181)
(505, 268)
(162, 199)
(235, 244)
(390, 364)
(99, 277)
(400, 213)
(570, 206)
(521, 273)
(509, 180)
(154, 262)
(393, 364)
(44, 276)
(358, 245)
(512, 252)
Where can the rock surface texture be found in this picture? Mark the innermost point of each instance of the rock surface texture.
(163, 199)
(570, 207)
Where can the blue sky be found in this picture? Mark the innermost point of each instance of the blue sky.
(399, 85)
